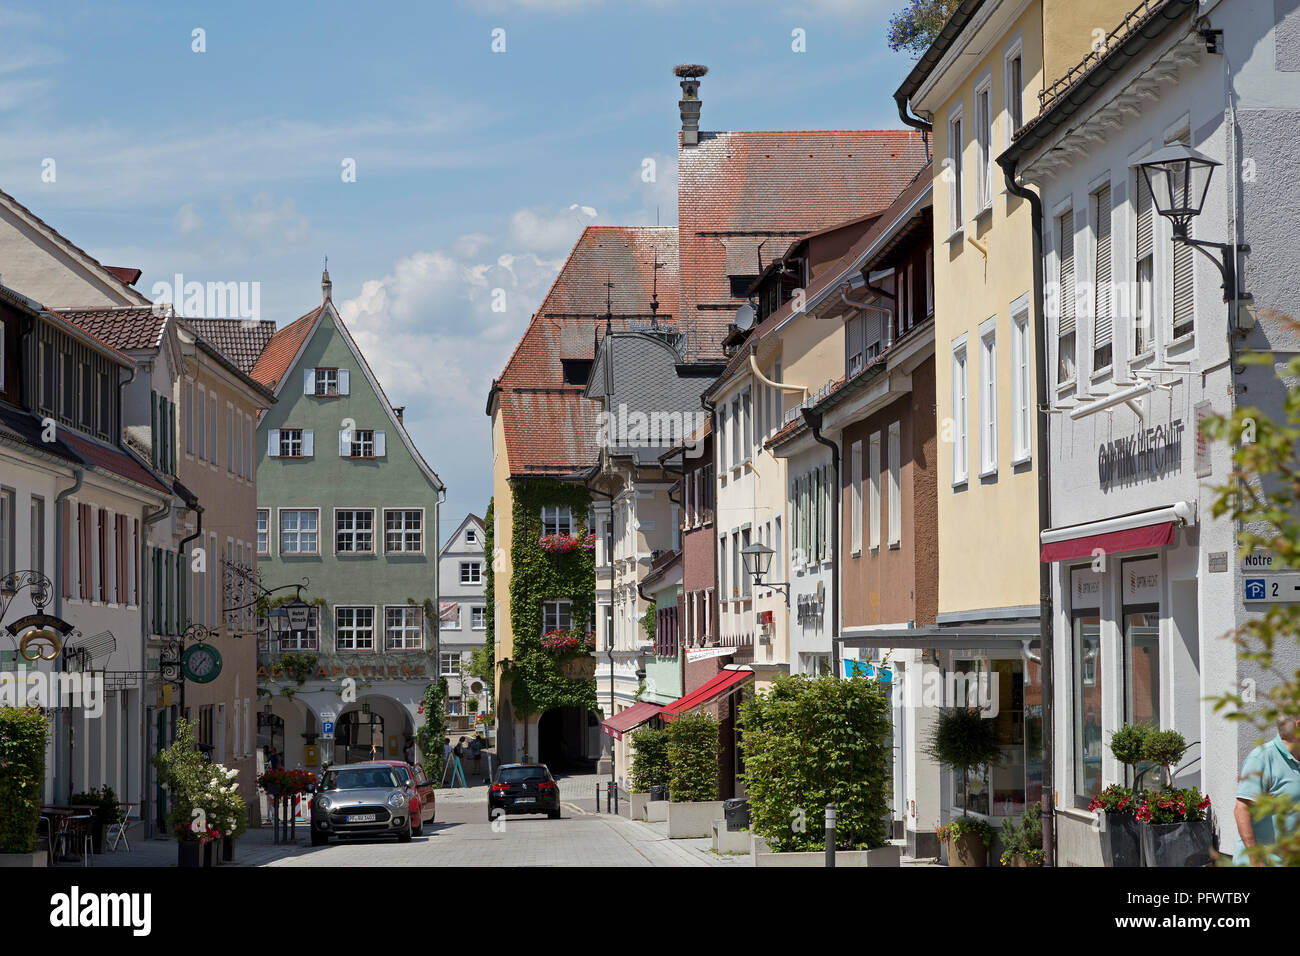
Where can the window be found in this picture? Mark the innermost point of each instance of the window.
(471, 536)
(363, 443)
(960, 451)
(478, 618)
(354, 629)
(1015, 93)
(737, 456)
(298, 531)
(722, 566)
(291, 443)
(403, 531)
(1184, 312)
(263, 531)
(201, 420)
(873, 481)
(471, 572)
(1065, 298)
(1141, 608)
(988, 438)
(1144, 264)
(555, 615)
(955, 215)
(984, 146)
(308, 640)
(855, 517)
(747, 425)
(1087, 680)
(404, 628)
(929, 281)
(745, 589)
(8, 532)
(325, 381)
(449, 665)
(189, 417)
(354, 531)
(1103, 293)
(37, 539)
(212, 429)
(230, 439)
(557, 521)
(895, 485)
(1021, 384)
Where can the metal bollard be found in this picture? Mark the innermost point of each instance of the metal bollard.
(598, 798)
(615, 798)
(830, 835)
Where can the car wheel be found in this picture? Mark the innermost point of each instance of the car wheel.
(553, 814)
(405, 835)
(419, 831)
(318, 839)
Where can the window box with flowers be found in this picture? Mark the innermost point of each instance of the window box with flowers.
(566, 641)
(1175, 830)
(567, 543)
(1117, 807)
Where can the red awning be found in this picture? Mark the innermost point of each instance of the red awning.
(724, 683)
(629, 719)
(1112, 542)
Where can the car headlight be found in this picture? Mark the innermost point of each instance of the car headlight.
(323, 802)
(397, 799)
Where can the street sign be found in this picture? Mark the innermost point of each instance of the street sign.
(1273, 588)
(327, 728)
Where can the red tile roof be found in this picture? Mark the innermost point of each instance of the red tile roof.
(114, 460)
(744, 195)
(274, 362)
(124, 328)
(550, 428)
(128, 275)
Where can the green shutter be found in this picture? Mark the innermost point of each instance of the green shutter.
(157, 591)
(153, 428)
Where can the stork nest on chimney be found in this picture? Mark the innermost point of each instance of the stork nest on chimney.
(690, 70)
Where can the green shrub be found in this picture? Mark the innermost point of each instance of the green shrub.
(1165, 748)
(693, 758)
(650, 760)
(810, 741)
(963, 740)
(1128, 743)
(103, 799)
(1024, 837)
(204, 798)
(24, 733)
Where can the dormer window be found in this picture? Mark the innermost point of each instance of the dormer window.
(325, 382)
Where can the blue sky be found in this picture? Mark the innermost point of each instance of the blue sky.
(226, 165)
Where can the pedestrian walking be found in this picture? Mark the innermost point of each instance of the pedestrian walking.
(408, 754)
(275, 760)
(476, 751)
(1271, 769)
(446, 758)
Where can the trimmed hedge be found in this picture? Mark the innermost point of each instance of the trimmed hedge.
(650, 766)
(24, 733)
(810, 741)
(693, 758)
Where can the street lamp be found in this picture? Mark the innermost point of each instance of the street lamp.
(757, 558)
(1179, 179)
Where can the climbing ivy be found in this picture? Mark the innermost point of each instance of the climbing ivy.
(537, 681)
(490, 590)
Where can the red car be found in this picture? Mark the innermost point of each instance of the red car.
(423, 806)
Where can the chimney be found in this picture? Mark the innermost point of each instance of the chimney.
(326, 286)
(399, 411)
(689, 104)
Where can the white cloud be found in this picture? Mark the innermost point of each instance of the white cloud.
(187, 219)
(548, 230)
(265, 223)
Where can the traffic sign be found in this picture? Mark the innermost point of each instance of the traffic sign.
(327, 728)
(1273, 588)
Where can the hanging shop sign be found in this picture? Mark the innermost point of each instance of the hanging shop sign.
(1148, 454)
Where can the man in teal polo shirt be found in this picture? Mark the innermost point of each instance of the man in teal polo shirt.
(1271, 770)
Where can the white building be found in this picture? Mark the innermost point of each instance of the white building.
(1142, 346)
(462, 613)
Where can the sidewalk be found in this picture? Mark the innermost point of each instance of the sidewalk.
(254, 848)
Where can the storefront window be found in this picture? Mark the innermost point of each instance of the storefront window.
(1141, 583)
(1087, 679)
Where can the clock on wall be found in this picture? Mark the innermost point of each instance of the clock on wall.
(201, 663)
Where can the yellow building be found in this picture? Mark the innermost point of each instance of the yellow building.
(975, 86)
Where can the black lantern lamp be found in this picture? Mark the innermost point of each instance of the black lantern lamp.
(757, 559)
(1179, 179)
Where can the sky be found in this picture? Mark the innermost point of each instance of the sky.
(475, 168)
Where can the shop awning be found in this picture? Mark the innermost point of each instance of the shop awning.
(724, 683)
(629, 719)
(1134, 532)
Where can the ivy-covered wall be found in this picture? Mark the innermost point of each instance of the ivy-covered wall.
(537, 679)
(489, 576)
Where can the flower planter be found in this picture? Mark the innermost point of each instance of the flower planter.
(638, 802)
(228, 850)
(968, 850)
(1176, 844)
(188, 853)
(693, 820)
(24, 860)
(212, 853)
(881, 856)
(1121, 844)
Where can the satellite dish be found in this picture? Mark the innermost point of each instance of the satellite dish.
(745, 317)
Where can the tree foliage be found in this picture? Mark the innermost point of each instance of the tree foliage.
(24, 732)
(962, 740)
(650, 767)
(813, 741)
(693, 747)
(1262, 495)
(430, 734)
(915, 27)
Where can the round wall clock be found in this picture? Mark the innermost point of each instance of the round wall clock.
(201, 663)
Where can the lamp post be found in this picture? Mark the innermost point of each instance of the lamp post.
(757, 559)
(1179, 179)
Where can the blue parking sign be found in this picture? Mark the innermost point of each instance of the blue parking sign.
(327, 727)
(1256, 589)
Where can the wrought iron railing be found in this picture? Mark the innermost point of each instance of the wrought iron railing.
(1131, 22)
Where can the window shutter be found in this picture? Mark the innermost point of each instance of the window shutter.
(153, 427)
(1144, 222)
(381, 448)
(65, 545)
(273, 443)
(309, 381)
(308, 442)
(1184, 305)
(343, 381)
(1101, 280)
(345, 444)
(1065, 229)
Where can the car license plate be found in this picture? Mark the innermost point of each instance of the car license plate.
(525, 799)
(362, 818)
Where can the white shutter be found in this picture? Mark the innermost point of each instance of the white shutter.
(380, 446)
(1144, 222)
(345, 444)
(1065, 230)
(309, 381)
(1101, 273)
(273, 443)
(343, 381)
(307, 443)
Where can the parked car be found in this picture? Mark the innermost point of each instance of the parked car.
(524, 788)
(365, 799)
(422, 795)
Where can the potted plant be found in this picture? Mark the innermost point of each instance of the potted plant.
(205, 805)
(104, 800)
(1175, 830)
(1022, 840)
(1117, 804)
(963, 740)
